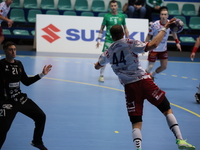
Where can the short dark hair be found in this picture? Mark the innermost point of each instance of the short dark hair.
(163, 8)
(117, 32)
(113, 1)
(7, 44)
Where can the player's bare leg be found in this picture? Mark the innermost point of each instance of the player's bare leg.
(174, 127)
(163, 66)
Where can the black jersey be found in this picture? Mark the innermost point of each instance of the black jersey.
(11, 74)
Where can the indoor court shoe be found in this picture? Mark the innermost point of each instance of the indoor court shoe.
(101, 79)
(41, 146)
(182, 144)
(139, 149)
(197, 96)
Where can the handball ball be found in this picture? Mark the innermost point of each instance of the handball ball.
(177, 27)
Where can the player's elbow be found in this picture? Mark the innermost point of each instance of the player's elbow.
(151, 46)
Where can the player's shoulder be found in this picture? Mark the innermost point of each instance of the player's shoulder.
(18, 61)
(108, 14)
(156, 22)
(2, 4)
(119, 13)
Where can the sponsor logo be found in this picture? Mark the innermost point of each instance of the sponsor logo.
(50, 30)
(88, 36)
(7, 106)
(74, 34)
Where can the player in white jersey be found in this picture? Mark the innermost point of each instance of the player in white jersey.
(123, 57)
(160, 52)
(4, 10)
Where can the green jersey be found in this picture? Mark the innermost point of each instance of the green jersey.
(110, 20)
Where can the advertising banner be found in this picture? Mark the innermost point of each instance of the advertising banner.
(78, 34)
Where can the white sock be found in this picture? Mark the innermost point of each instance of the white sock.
(137, 137)
(153, 74)
(173, 125)
(102, 70)
(150, 67)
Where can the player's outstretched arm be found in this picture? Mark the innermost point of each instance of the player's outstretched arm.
(100, 36)
(126, 31)
(46, 69)
(176, 41)
(192, 55)
(10, 22)
(195, 48)
(156, 41)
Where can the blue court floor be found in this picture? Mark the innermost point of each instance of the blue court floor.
(83, 114)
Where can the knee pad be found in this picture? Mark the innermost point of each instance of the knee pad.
(164, 105)
(135, 119)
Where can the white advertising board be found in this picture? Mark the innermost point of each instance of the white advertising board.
(77, 34)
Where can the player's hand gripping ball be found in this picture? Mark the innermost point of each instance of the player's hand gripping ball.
(177, 27)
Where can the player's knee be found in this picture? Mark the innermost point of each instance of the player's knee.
(40, 117)
(135, 119)
(164, 106)
(163, 68)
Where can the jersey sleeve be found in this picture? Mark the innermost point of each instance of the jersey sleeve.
(1, 82)
(124, 20)
(1, 9)
(26, 80)
(138, 46)
(103, 59)
(151, 30)
(104, 20)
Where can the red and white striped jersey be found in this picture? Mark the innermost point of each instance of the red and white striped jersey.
(4, 10)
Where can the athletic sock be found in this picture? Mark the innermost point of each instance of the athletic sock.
(137, 137)
(153, 74)
(102, 70)
(173, 125)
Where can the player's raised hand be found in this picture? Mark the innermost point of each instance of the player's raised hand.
(98, 44)
(192, 56)
(10, 22)
(179, 47)
(46, 69)
(171, 21)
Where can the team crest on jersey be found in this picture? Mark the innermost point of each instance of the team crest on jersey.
(120, 19)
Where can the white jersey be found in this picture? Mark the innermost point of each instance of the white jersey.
(123, 57)
(154, 30)
(4, 10)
